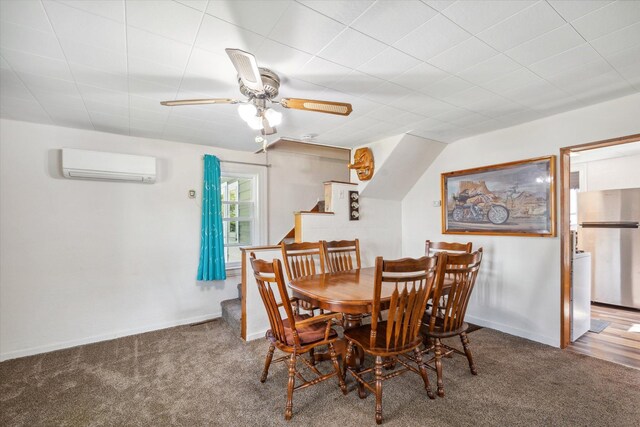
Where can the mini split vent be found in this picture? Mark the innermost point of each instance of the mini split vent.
(99, 165)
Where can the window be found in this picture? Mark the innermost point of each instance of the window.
(238, 216)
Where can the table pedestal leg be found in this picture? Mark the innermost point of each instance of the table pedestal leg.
(357, 359)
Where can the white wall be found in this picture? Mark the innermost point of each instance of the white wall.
(379, 228)
(518, 290)
(83, 261)
(609, 174)
(297, 186)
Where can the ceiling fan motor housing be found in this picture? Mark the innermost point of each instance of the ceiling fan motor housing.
(270, 81)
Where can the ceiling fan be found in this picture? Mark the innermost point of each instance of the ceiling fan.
(260, 85)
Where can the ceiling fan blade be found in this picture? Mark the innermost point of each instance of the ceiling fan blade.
(247, 68)
(200, 101)
(340, 108)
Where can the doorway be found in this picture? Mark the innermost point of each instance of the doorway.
(618, 317)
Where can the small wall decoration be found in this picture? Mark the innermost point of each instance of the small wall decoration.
(363, 163)
(516, 199)
(354, 206)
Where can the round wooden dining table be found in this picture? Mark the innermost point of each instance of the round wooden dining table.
(347, 292)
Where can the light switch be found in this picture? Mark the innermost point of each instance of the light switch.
(436, 203)
(192, 194)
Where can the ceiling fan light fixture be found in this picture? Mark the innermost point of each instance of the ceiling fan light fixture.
(273, 117)
(247, 112)
(255, 123)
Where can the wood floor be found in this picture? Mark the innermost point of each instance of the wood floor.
(616, 343)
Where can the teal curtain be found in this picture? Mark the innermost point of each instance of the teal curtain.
(211, 266)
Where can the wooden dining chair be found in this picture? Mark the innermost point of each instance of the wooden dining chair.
(460, 272)
(432, 248)
(303, 259)
(342, 255)
(412, 281)
(294, 335)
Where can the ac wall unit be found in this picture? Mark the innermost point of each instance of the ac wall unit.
(85, 164)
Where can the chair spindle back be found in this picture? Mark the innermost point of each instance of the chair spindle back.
(432, 248)
(342, 255)
(269, 275)
(303, 259)
(413, 281)
(461, 270)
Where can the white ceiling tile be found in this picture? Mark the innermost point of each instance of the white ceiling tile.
(154, 73)
(494, 106)
(624, 58)
(100, 59)
(389, 21)
(571, 58)
(387, 113)
(200, 5)
(598, 84)
(475, 16)
(254, 15)
(420, 76)
(95, 98)
(389, 64)
(446, 87)
(112, 9)
(166, 18)
(213, 65)
(492, 68)
(440, 33)
(154, 48)
(340, 10)
(23, 109)
(468, 96)
(572, 9)
(608, 19)
(305, 29)
(351, 49)
(486, 126)
(523, 26)
(11, 86)
(35, 64)
(105, 121)
(520, 78)
(37, 83)
(462, 56)
(321, 72)
(93, 30)
(296, 88)
(357, 83)
(158, 116)
(21, 38)
(72, 117)
(386, 93)
(569, 77)
(3, 62)
(93, 77)
(470, 119)
(439, 5)
(281, 58)
(546, 45)
(618, 40)
(216, 35)
(28, 13)
(422, 104)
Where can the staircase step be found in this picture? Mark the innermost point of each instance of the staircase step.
(232, 313)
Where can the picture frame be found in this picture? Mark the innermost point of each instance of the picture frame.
(507, 199)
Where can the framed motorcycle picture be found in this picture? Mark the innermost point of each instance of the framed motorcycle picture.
(513, 199)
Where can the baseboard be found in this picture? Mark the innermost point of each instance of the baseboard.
(256, 335)
(554, 342)
(105, 337)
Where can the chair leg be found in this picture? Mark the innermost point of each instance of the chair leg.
(467, 351)
(362, 392)
(438, 355)
(267, 363)
(312, 357)
(345, 361)
(288, 412)
(336, 366)
(423, 372)
(378, 390)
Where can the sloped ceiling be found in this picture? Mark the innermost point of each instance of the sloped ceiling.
(441, 70)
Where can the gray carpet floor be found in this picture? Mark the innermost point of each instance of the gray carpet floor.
(205, 375)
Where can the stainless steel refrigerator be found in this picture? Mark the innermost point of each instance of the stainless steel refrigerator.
(608, 229)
